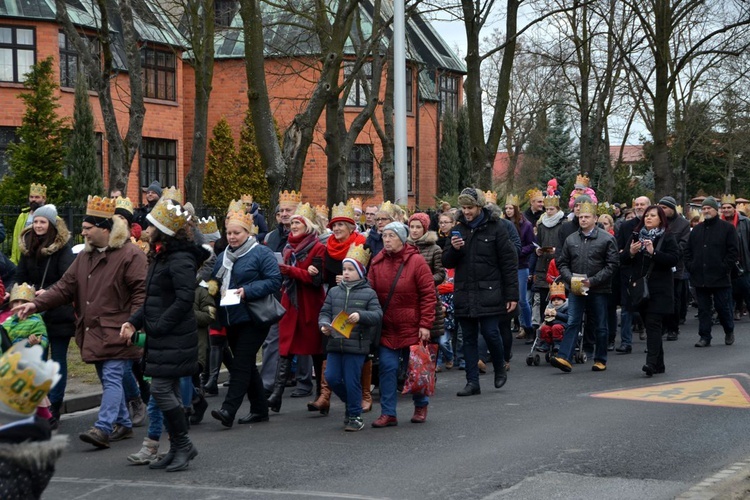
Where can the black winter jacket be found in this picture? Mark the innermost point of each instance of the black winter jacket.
(359, 298)
(660, 282)
(679, 226)
(486, 268)
(711, 253)
(594, 256)
(167, 314)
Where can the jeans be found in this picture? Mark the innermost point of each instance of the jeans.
(113, 409)
(488, 327)
(130, 384)
(446, 352)
(270, 359)
(59, 352)
(155, 420)
(597, 306)
(722, 301)
(523, 301)
(187, 391)
(626, 316)
(245, 340)
(344, 377)
(389, 361)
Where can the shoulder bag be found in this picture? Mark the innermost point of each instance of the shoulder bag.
(265, 311)
(638, 289)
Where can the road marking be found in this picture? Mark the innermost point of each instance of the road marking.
(720, 391)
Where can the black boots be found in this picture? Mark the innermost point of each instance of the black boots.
(283, 370)
(200, 405)
(214, 365)
(181, 449)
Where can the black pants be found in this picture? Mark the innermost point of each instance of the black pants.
(653, 323)
(672, 321)
(245, 340)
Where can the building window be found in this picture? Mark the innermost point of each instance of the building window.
(158, 162)
(70, 63)
(409, 170)
(360, 168)
(409, 90)
(100, 152)
(224, 12)
(449, 93)
(158, 72)
(361, 83)
(17, 53)
(7, 136)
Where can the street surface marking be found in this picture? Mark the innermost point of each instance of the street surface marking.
(723, 391)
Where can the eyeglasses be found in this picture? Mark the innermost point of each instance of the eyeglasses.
(443, 222)
(382, 219)
(87, 228)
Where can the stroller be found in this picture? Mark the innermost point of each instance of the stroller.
(549, 346)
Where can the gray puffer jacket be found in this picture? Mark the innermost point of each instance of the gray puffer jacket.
(358, 298)
(594, 256)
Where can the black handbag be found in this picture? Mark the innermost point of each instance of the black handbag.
(638, 289)
(265, 311)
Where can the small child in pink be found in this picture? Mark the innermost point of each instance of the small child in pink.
(555, 317)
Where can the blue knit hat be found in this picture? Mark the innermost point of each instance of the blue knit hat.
(398, 228)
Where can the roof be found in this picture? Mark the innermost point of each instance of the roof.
(630, 154)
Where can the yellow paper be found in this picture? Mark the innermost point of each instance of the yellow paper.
(341, 325)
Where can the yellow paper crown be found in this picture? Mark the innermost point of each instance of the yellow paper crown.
(168, 217)
(742, 207)
(694, 212)
(25, 379)
(24, 292)
(38, 190)
(342, 211)
(387, 207)
(124, 203)
(243, 219)
(100, 207)
(512, 199)
(208, 225)
(728, 198)
(321, 210)
(247, 199)
(535, 193)
(290, 198)
(360, 254)
(678, 209)
(236, 206)
(172, 193)
(587, 208)
(490, 197)
(582, 180)
(557, 289)
(355, 203)
(306, 211)
(604, 208)
(552, 201)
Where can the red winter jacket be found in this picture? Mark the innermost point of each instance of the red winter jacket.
(413, 303)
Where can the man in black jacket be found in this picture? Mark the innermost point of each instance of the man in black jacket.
(680, 228)
(741, 272)
(710, 256)
(486, 283)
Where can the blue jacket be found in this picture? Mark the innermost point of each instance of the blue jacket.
(257, 273)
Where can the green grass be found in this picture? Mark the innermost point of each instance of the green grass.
(77, 369)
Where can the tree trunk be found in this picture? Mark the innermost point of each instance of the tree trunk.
(663, 178)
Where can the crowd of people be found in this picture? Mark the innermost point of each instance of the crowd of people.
(158, 299)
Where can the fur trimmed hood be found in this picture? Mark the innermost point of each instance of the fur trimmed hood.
(119, 235)
(35, 455)
(61, 240)
(428, 239)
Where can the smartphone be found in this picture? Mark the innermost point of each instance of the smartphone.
(456, 234)
(636, 237)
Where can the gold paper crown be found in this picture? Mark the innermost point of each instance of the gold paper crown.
(604, 208)
(742, 207)
(512, 199)
(124, 203)
(587, 208)
(243, 219)
(24, 292)
(236, 206)
(208, 225)
(678, 209)
(247, 199)
(728, 198)
(172, 193)
(694, 212)
(168, 217)
(321, 210)
(25, 379)
(552, 201)
(38, 190)
(387, 207)
(490, 197)
(100, 207)
(355, 203)
(583, 180)
(557, 289)
(535, 193)
(290, 198)
(360, 254)
(341, 210)
(306, 211)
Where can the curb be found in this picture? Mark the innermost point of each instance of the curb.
(712, 486)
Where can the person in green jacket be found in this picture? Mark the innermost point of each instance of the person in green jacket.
(30, 331)
(37, 198)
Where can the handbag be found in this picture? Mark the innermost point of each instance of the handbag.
(638, 289)
(377, 329)
(265, 311)
(420, 377)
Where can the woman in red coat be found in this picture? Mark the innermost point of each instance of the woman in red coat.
(302, 296)
(407, 316)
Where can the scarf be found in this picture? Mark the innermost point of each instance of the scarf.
(478, 220)
(649, 234)
(230, 257)
(552, 221)
(337, 249)
(296, 250)
(734, 220)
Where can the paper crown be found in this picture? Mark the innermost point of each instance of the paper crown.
(604, 208)
(290, 198)
(124, 203)
(587, 208)
(355, 203)
(306, 211)
(172, 193)
(24, 292)
(247, 199)
(678, 209)
(552, 201)
(490, 197)
(535, 193)
(236, 206)
(38, 190)
(582, 180)
(321, 210)
(168, 217)
(208, 225)
(25, 379)
(100, 207)
(243, 219)
(512, 199)
(388, 208)
(342, 211)
(557, 290)
(360, 254)
(694, 212)
(728, 198)
(742, 207)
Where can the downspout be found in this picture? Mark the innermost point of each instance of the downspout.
(416, 148)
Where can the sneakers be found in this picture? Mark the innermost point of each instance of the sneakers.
(120, 432)
(729, 338)
(439, 368)
(561, 363)
(148, 453)
(598, 367)
(469, 390)
(356, 424)
(625, 349)
(95, 436)
(448, 365)
(703, 343)
(137, 410)
(420, 415)
(383, 421)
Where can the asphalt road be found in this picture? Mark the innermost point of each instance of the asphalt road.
(541, 436)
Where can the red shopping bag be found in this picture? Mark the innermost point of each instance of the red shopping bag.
(420, 376)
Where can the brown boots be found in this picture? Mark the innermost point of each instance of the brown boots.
(366, 385)
(323, 403)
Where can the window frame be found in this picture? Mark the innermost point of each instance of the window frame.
(223, 12)
(146, 173)
(409, 90)
(357, 165)
(150, 73)
(410, 169)
(14, 47)
(449, 94)
(357, 98)
(69, 50)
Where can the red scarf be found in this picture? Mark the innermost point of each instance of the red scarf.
(337, 249)
(735, 220)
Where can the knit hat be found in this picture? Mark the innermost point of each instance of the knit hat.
(710, 201)
(358, 256)
(422, 218)
(471, 197)
(668, 201)
(399, 229)
(49, 212)
(155, 187)
(584, 198)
